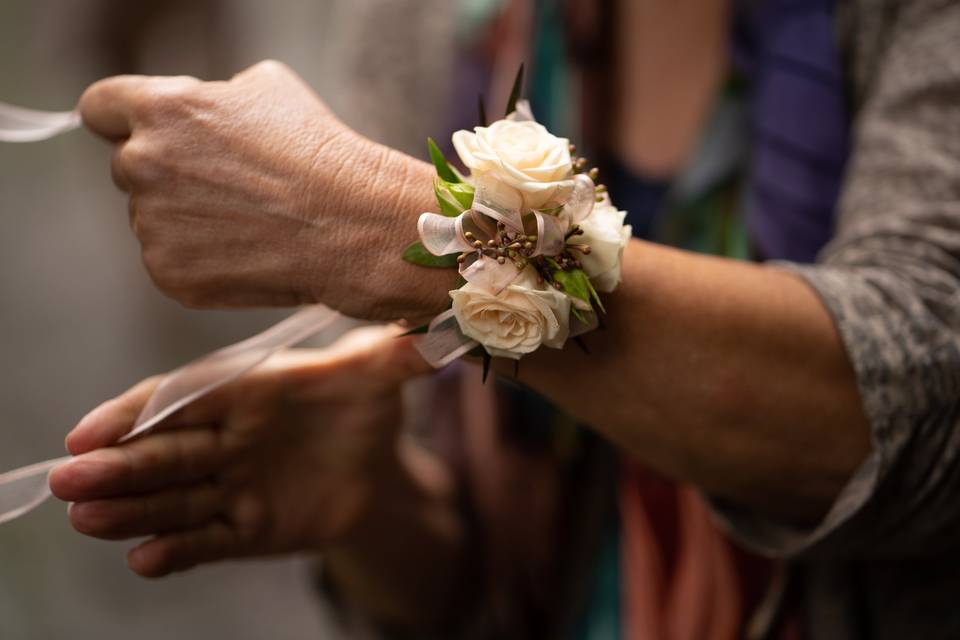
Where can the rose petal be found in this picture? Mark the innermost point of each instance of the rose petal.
(465, 144)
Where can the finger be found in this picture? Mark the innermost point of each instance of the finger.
(111, 420)
(117, 171)
(181, 551)
(107, 106)
(113, 107)
(157, 461)
(149, 514)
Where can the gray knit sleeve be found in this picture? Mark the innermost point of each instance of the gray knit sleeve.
(890, 278)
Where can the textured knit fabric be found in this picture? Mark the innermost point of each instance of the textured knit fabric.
(885, 560)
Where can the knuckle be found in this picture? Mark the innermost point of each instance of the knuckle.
(134, 460)
(249, 516)
(169, 271)
(166, 97)
(199, 504)
(161, 269)
(270, 67)
(141, 161)
(178, 454)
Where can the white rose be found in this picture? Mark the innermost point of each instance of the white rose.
(522, 154)
(607, 236)
(517, 320)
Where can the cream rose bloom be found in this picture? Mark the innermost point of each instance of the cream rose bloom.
(517, 320)
(607, 236)
(522, 154)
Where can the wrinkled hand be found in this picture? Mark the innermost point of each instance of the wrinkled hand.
(288, 458)
(250, 192)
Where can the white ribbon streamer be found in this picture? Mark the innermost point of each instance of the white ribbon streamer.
(23, 489)
(26, 125)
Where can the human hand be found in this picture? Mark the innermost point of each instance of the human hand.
(250, 192)
(287, 458)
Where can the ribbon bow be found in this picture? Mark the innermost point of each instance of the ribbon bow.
(495, 239)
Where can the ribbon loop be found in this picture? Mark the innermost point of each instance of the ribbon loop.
(499, 201)
(441, 235)
(581, 200)
(444, 342)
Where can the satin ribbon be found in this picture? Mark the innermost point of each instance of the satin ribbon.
(23, 489)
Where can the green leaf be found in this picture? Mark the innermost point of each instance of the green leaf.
(448, 208)
(578, 314)
(415, 331)
(481, 110)
(443, 168)
(595, 296)
(575, 283)
(515, 92)
(463, 193)
(417, 254)
(453, 197)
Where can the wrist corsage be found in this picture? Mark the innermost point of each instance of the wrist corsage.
(533, 236)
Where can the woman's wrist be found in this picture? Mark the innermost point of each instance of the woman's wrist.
(366, 216)
(416, 293)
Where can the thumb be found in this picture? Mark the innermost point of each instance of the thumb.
(107, 106)
(112, 107)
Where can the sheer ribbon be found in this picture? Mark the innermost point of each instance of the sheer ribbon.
(26, 125)
(23, 489)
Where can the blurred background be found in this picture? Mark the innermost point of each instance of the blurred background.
(80, 321)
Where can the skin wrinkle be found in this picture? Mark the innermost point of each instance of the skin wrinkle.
(300, 277)
(399, 299)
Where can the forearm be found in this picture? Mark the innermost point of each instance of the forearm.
(405, 565)
(726, 374)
